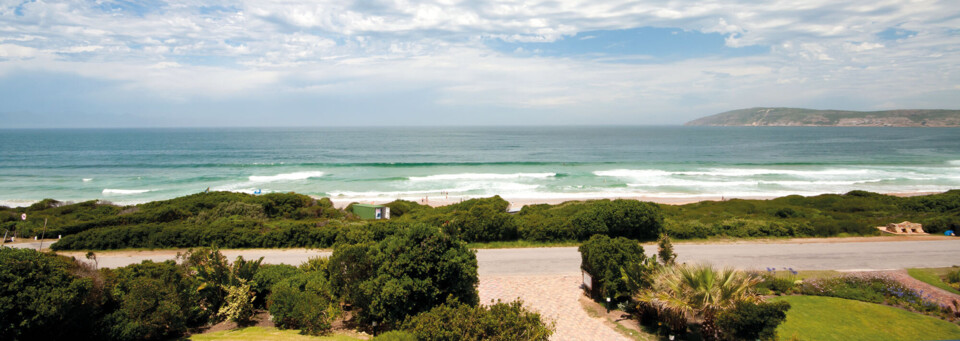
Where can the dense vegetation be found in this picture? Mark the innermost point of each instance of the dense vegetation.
(234, 220)
(854, 213)
(414, 280)
(811, 117)
(456, 322)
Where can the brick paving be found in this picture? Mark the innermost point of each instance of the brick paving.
(555, 297)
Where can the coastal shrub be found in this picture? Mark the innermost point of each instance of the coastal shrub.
(237, 220)
(348, 267)
(602, 257)
(303, 302)
(752, 321)
(691, 229)
(940, 224)
(580, 220)
(153, 301)
(400, 207)
(413, 271)
(229, 232)
(483, 223)
(43, 298)
(953, 277)
(267, 276)
(631, 218)
(499, 321)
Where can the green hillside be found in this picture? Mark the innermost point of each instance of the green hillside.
(840, 118)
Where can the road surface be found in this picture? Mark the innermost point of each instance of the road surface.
(879, 255)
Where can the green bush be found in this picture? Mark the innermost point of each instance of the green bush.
(411, 271)
(153, 301)
(267, 276)
(238, 305)
(602, 257)
(752, 321)
(42, 297)
(953, 278)
(303, 302)
(501, 321)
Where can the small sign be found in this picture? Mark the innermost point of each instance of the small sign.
(23, 216)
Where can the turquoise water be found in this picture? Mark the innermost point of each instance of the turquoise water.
(137, 165)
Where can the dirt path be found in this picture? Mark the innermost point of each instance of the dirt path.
(928, 291)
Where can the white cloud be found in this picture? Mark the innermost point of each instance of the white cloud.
(819, 49)
(17, 51)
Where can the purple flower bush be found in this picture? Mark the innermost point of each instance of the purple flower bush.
(875, 288)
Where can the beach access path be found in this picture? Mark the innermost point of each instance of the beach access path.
(548, 279)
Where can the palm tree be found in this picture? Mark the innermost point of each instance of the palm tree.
(699, 291)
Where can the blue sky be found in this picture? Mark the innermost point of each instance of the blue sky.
(329, 63)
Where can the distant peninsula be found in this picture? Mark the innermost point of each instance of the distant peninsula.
(783, 117)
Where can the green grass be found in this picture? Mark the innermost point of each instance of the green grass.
(830, 318)
(263, 333)
(933, 277)
(516, 244)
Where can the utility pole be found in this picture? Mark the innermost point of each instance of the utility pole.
(43, 234)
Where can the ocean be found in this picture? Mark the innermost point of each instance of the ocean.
(128, 166)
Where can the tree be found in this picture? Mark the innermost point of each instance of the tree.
(699, 291)
(602, 257)
(752, 321)
(665, 250)
(415, 270)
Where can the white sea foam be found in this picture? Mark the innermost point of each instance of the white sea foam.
(487, 189)
(729, 172)
(124, 191)
(286, 176)
(954, 162)
(738, 172)
(633, 173)
(87, 179)
(481, 176)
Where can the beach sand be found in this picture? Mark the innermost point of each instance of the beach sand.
(517, 203)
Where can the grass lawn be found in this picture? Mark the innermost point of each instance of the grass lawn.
(262, 333)
(830, 318)
(932, 277)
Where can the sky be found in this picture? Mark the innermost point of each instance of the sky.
(197, 63)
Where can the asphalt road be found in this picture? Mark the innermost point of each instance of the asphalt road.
(566, 260)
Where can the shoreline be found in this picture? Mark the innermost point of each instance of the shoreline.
(517, 203)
